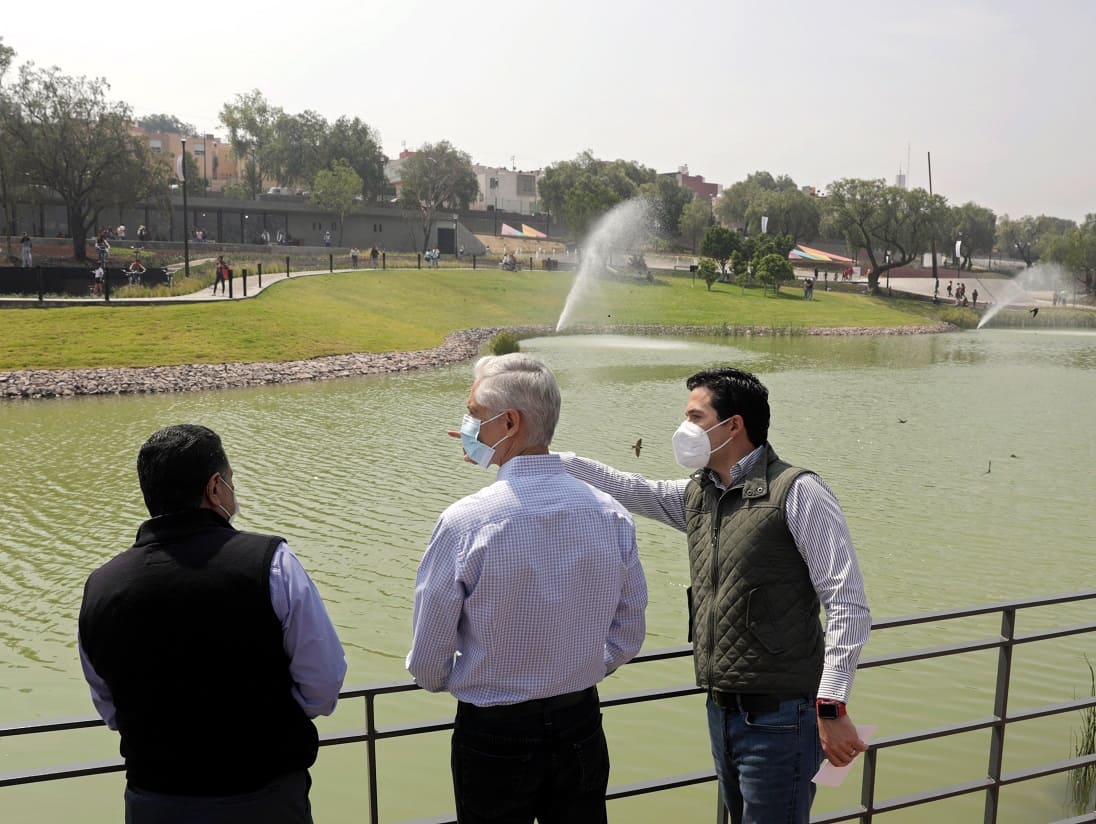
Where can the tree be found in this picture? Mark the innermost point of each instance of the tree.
(1074, 250)
(696, 217)
(195, 183)
(720, 243)
(296, 150)
(975, 226)
(583, 189)
(1024, 235)
(7, 169)
(250, 122)
(165, 123)
(894, 226)
(772, 270)
(734, 203)
(70, 139)
(708, 270)
(360, 145)
(789, 212)
(668, 199)
(334, 189)
(436, 177)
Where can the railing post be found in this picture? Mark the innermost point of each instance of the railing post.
(371, 756)
(229, 274)
(867, 785)
(384, 260)
(41, 283)
(1000, 710)
(245, 281)
(330, 263)
(287, 265)
(473, 262)
(260, 276)
(721, 808)
(418, 260)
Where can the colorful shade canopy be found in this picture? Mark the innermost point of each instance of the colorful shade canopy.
(802, 252)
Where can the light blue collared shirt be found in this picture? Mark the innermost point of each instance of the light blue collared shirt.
(317, 664)
(529, 588)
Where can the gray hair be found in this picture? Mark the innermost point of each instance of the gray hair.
(521, 382)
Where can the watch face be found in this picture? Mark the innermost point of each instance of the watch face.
(829, 711)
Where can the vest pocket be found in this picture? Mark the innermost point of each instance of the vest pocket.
(762, 620)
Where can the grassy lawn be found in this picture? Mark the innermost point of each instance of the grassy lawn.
(394, 310)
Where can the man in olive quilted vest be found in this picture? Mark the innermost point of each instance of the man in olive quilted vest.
(768, 547)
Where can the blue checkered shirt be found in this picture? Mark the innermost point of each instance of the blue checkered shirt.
(529, 588)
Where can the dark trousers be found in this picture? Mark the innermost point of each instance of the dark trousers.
(282, 801)
(546, 760)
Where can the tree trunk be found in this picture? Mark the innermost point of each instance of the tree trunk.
(78, 228)
(873, 281)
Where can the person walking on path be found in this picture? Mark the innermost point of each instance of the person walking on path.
(974, 297)
(223, 273)
(354, 255)
(208, 649)
(373, 255)
(102, 247)
(767, 546)
(26, 246)
(530, 592)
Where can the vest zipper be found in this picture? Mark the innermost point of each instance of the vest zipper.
(715, 589)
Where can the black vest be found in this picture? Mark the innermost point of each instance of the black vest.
(181, 628)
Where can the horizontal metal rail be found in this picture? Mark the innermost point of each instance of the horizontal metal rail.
(864, 812)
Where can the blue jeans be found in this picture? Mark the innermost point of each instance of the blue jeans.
(550, 766)
(765, 761)
(282, 801)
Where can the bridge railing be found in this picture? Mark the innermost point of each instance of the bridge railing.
(1008, 639)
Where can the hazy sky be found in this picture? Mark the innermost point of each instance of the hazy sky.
(998, 90)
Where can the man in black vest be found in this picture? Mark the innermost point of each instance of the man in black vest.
(768, 545)
(209, 650)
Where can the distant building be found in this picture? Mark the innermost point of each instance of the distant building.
(506, 190)
(701, 188)
(213, 156)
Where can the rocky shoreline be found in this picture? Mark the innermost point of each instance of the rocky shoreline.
(458, 346)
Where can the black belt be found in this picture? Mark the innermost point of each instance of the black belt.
(537, 706)
(748, 701)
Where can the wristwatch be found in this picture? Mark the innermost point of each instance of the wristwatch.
(829, 709)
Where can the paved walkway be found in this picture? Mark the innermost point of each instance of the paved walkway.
(201, 296)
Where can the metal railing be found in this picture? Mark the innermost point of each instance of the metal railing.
(869, 806)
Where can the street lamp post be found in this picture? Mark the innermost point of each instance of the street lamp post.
(186, 230)
(886, 260)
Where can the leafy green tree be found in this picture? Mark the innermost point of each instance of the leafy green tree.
(69, 138)
(883, 219)
(1074, 250)
(1024, 235)
(773, 270)
(360, 145)
(720, 243)
(334, 189)
(735, 202)
(789, 212)
(295, 153)
(668, 200)
(437, 177)
(708, 269)
(975, 226)
(583, 189)
(696, 217)
(166, 124)
(251, 122)
(7, 168)
(195, 183)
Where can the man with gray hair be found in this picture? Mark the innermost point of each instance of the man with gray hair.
(530, 592)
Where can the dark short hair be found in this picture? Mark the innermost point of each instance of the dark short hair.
(175, 464)
(735, 392)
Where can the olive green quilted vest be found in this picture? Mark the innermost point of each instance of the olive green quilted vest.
(754, 613)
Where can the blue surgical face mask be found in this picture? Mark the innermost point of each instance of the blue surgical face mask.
(480, 453)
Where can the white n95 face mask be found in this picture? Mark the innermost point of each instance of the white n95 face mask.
(692, 449)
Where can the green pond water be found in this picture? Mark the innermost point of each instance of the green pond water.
(355, 472)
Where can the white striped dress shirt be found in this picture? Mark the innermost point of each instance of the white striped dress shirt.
(818, 527)
(529, 588)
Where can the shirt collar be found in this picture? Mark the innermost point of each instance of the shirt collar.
(739, 471)
(525, 465)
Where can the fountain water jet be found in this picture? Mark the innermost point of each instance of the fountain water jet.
(1040, 277)
(624, 228)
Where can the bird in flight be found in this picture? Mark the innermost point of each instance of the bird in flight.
(1034, 311)
(902, 420)
(638, 445)
(988, 468)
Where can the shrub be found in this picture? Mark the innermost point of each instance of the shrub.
(962, 316)
(504, 343)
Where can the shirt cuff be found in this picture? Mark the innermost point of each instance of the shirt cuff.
(835, 685)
